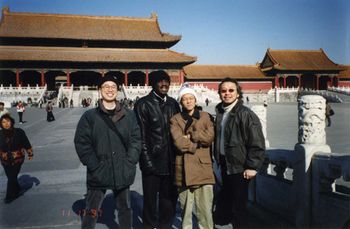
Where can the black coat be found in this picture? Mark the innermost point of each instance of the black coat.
(244, 141)
(158, 150)
(109, 164)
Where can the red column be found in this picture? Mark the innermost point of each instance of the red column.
(126, 78)
(42, 78)
(182, 78)
(331, 82)
(147, 78)
(68, 78)
(18, 82)
(276, 81)
(317, 82)
(284, 81)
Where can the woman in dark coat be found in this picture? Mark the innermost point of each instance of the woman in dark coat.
(13, 145)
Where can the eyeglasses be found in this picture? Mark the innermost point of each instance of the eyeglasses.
(109, 87)
(229, 90)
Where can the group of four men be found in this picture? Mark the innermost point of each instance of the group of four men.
(173, 148)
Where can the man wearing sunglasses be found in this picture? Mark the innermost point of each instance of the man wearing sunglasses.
(239, 151)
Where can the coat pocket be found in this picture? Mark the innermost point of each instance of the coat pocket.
(100, 176)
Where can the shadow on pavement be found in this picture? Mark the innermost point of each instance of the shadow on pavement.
(108, 214)
(26, 182)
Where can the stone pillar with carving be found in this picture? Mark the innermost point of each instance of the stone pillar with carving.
(311, 139)
(260, 111)
(311, 117)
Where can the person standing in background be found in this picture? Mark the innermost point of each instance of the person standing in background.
(49, 110)
(14, 144)
(3, 110)
(329, 113)
(20, 110)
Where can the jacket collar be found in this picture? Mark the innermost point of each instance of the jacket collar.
(236, 108)
(119, 110)
(157, 98)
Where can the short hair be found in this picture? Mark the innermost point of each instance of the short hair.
(8, 117)
(239, 89)
(158, 76)
(1, 103)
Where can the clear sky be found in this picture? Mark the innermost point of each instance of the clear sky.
(226, 31)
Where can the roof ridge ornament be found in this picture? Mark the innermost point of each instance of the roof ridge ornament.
(154, 15)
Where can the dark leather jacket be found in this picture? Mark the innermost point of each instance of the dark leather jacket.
(244, 141)
(158, 151)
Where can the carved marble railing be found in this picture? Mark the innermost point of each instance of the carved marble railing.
(330, 207)
(325, 94)
(132, 92)
(343, 90)
(11, 94)
(284, 184)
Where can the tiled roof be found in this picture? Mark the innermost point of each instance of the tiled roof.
(29, 53)
(313, 60)
(64, 26)
(221, 71)
(345, 73)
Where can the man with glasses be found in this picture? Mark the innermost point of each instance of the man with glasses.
(158, 153)
(239, 151)
(108, 143)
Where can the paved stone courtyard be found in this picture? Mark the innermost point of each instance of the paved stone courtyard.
(55, 179)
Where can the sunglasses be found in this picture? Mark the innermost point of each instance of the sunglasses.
(229, 90)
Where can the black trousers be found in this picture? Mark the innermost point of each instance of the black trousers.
(231, 205)
(329, 121)
(158, 190)
(13, 187)
(94, 199)
(20, 116)
(50, 116)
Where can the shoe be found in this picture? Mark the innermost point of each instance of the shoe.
(20, 122)
(8, 200)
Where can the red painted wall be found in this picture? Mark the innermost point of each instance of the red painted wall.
(344, 84)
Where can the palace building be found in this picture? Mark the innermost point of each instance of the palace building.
(55, 49)
(50, 48)
(280, 68)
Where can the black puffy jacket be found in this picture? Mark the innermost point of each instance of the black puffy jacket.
(109, 164)
(244, 141)
(158, 151)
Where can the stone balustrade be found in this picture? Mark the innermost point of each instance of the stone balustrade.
(12, 94)
(330, 207)
(343, 90)
(299, 185)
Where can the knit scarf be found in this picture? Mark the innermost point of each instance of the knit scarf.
(188, 118)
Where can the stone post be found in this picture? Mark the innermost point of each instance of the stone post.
(260, 111)
(311, 139)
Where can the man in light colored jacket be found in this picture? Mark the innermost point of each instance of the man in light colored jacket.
(193, 133)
